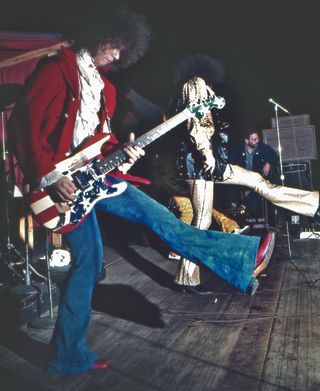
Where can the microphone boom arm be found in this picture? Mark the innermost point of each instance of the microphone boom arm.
(280, 107)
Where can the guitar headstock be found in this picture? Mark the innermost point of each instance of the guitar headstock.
(202, 107)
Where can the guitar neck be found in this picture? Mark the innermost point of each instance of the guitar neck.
(118, 157)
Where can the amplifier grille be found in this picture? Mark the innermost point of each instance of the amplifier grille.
(297, 143)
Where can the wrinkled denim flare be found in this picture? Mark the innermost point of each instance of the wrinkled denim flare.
(231, 257)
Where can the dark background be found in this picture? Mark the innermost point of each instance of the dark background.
(269, 49)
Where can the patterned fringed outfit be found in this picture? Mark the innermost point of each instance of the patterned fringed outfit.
(197, 148)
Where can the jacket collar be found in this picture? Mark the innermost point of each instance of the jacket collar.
(68, 65)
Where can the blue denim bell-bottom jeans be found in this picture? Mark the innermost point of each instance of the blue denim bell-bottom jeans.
(230, 256)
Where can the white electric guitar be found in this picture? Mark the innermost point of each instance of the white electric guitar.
(88, 171)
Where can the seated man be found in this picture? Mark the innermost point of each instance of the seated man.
(254, 155)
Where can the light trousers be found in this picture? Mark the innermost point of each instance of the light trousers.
(300, 201)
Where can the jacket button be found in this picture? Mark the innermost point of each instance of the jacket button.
(66, 115)
(73, 99)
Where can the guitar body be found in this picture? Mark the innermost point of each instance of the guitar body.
(63, 217)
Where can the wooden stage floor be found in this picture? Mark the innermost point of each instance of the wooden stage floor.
(157, 338)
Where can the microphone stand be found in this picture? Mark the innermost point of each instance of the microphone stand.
(276, 106)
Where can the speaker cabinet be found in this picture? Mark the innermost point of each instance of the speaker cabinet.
(298, 174)
(289, 121)
(297, 143)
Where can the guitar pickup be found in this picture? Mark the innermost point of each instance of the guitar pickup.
(81, 179)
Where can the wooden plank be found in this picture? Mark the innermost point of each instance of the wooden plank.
(47, 51)
(249, 353)
(147, 315)
(294, 353)
(160, 339)
(139, 265)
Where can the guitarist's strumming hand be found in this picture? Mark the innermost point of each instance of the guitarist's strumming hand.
(63, 190)
(134, 153)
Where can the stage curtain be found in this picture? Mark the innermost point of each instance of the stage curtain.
(12, 78)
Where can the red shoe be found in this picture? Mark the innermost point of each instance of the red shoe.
(100, 364)
(264, 253)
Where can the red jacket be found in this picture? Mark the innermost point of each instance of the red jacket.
(42, 124)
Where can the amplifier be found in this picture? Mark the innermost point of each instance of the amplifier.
(292, 168)
(291, 120)
(298, 174)
(21, 309)
(297, 143)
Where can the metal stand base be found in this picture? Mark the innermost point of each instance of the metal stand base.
(23, 290)
(46, 322)
(43, 323)
(290, 257)
(12, 259)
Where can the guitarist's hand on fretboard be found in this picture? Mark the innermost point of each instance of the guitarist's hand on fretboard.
(62, 190)
(134, 153)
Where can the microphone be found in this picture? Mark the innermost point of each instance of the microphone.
(277, 104)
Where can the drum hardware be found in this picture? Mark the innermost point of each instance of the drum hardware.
(9, 254)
